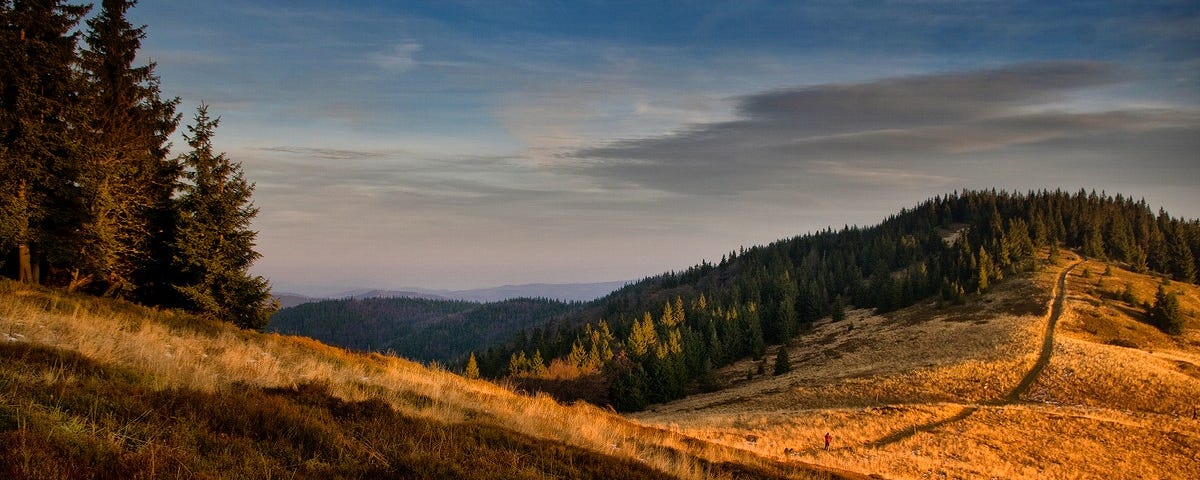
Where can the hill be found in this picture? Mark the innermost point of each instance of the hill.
(563, 292)
(991, 388)
(664, 337)
(106, 389)
(417, 328)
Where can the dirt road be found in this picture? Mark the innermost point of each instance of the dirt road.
(1013, 395)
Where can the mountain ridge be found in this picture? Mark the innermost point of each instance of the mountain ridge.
(566, 292)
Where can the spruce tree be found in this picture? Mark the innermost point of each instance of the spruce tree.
(128, 180)
(1166, 313)
(472, 369)
(40, 198)
(214, 245)
(782, 364)
(839, 309)
(1183, 264)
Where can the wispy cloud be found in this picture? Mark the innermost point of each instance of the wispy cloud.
(915, 124)
(401, 58)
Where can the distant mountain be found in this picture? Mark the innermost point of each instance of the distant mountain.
(564, 292)
(363, 293)
(418, 328)
(288, 299)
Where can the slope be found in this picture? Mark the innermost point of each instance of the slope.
(416, 328)
(990, 389)
(106, 389)
(669, 333)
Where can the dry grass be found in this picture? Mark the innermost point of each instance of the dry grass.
(174, 351)
(930, 383)
(1098, 410)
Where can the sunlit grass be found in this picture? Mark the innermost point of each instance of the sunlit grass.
(1097, 410)
(168, 351)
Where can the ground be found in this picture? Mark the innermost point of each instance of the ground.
(936, 391)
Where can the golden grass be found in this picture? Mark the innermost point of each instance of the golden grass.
(930, 382)
(177, 351)
(1097, 410)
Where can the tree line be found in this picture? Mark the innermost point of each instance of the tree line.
(91, 199)
(666, 334)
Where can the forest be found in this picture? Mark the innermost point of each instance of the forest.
(422, 329)
(660, 338)
(92, 199)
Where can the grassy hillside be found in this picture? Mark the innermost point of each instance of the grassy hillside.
(932, 391)
(102, 389)
(671, 332)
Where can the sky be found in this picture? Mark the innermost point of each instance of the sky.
(462, 144)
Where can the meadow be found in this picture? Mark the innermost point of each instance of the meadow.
(93, 388)
(925, 392)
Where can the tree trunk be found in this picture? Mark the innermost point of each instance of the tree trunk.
(24, 264)
(24, 257)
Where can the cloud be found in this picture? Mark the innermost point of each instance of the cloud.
(401, 58)
(921, 125)
(325, 153)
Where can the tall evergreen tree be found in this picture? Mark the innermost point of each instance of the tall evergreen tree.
(41, 203)
(128, 180)
(214, 245)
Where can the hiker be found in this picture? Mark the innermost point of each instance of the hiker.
(828, 437)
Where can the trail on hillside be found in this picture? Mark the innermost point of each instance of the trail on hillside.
(1013, 395)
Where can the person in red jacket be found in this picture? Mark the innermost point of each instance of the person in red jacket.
(828, 438)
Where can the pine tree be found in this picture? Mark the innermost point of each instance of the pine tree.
(40, 198)
(782, 364)
(985, 270)
(537, 366)
(1166, 313)
(214, 245)
(839, 309)
(472, 368)
(1183, 264)
(643, 337)
(518, 364)
(128, 179)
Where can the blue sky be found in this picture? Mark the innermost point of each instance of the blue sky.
(464, 144)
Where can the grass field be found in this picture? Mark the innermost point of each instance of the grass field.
(104, 389)
(920, 393)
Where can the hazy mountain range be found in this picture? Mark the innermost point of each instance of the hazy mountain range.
(567, 292)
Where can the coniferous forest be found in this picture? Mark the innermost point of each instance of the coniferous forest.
(661, 338)
(91, 198)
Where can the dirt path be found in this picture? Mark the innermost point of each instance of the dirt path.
(1048, 342)
(1013, 396)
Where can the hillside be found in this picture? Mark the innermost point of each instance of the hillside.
(968, 392)
(666, 336)
(106, 389)
(415, 328)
